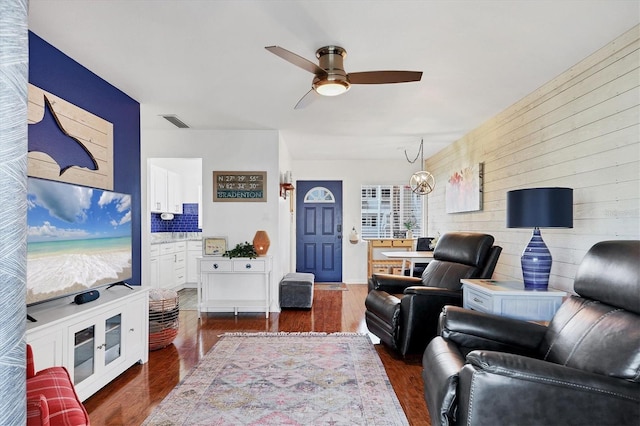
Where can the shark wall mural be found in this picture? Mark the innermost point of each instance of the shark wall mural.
(67, 143)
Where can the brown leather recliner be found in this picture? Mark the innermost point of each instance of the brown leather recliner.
(403, 311)
(581, 369)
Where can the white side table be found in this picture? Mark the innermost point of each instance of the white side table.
(510, 299)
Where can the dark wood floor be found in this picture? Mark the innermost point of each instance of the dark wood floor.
(130, 398)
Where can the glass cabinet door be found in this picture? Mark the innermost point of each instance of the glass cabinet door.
(84, 354)
(113, 342)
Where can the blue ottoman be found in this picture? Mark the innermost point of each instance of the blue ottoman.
(296, 290)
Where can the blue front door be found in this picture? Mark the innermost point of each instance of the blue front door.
(319, 229)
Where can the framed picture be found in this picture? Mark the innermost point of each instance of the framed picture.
(214, 246)
(464, 189)
(240, 186)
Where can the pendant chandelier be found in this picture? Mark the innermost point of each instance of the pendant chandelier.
(422, 182)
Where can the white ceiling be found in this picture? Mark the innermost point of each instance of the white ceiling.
(205, 62)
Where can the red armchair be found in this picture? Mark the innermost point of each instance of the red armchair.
(51, 397)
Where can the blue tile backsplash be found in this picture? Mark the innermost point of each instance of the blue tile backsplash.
(185, 222)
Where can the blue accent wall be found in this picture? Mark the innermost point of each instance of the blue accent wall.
(185, 222)
(53, 71)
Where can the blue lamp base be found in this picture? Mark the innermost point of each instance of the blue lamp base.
(536, 263)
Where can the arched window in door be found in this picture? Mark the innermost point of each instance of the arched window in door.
(319, 194)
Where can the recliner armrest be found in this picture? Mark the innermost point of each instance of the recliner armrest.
(562, 395)
(478, 330)
(420, 307)
(433, 292)
(393, 284)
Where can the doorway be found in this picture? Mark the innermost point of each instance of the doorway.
(319, 229)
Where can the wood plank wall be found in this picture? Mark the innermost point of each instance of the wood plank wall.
(580, 130)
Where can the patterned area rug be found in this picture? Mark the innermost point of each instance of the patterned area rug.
(331, 286)
(284, 379)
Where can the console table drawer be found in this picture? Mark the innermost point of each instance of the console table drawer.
(382, 243)
(216, 266)
(249, 266)
(478, 301)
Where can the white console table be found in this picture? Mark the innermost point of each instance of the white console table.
(510, 299)
(231, 284)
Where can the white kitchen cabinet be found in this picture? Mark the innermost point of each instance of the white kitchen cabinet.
(174, 193)
(154, 265)
(157, 189)
(96, 341)
(180, 266)
(172, 265)
(165, 191)
(194, 250)
(166, 267)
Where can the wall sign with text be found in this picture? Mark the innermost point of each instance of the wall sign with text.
(240, 186)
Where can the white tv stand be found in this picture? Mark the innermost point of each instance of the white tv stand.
(96, 341)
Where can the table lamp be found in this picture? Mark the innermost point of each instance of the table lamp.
(538, 208)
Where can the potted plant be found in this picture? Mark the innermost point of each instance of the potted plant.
(409, 224)
(245, 249)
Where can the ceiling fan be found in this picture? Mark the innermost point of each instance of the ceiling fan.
(330, 77)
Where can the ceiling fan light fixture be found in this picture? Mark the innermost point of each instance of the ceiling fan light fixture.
(330, 78)
(422, 182)
(331, 87)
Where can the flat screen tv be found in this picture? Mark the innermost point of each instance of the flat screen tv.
(78, 238)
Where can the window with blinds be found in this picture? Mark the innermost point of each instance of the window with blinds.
(388, 211)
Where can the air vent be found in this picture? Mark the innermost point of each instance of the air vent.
(175, 121)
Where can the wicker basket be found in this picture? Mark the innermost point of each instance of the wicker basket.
(164, 322)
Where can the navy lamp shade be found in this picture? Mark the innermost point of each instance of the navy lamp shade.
(538, 208)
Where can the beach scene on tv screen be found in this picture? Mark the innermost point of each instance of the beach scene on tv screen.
(78, 238)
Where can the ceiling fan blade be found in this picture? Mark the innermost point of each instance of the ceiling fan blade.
(307, 99)
(384, 77)
(297, 60)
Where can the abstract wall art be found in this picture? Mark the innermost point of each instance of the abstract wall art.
(464, 189)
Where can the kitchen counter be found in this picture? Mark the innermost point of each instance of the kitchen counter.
(172, 237)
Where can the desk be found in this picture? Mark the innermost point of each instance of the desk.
(410, 256)
(225, 283)
(510, 299)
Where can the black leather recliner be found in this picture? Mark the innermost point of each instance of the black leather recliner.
(584, 368)
(403, 311)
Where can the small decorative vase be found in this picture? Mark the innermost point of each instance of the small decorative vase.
(354, 238)
(409, 234)
(261, 242)
(536, 263)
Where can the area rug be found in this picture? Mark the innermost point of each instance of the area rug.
(331, 286)
(284, 379)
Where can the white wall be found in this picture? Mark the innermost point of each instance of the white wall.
(223, 151)
(286, 214)
(353, 174)
(580, 130)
